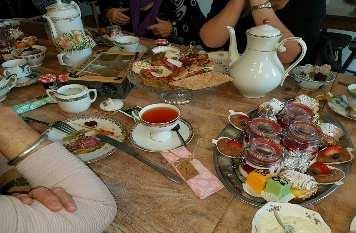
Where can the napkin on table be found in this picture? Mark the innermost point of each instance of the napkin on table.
(205, 183)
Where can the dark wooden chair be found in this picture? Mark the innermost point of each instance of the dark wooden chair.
(351, 58)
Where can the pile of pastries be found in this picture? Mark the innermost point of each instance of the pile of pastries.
(174, 68)
(285, 152)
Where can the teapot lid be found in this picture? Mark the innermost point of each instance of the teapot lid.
(60, 6)
(264, 30)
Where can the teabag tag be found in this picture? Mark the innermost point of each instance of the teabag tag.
(186, 168)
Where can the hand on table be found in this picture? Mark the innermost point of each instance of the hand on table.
(116, 15)
(54, 199)
(163, 28)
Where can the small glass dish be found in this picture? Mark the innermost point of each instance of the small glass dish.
(263, 153)
(264, 128)
(294, 112)
(302, 136)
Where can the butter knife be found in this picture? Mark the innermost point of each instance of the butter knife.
(131, 151)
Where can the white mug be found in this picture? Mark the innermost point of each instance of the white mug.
(18, 67)
(74, 58)
(6, 84)
(73, 98)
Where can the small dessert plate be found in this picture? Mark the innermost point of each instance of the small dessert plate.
(335, 155)
(228, 147)
(141, 138)
(238, 120)
(102, 125)
(302, 219)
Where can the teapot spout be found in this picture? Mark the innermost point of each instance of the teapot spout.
(51, 25)
(233, 52)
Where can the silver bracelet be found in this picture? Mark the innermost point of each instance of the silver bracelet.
(267, 4)
(23, 155)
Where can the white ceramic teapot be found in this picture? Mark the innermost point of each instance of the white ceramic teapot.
(258, 70)
(63, 17)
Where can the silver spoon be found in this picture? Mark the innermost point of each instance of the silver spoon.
(176, 129)
(286, 227)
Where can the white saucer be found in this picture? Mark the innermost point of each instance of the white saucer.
(2, 98)
(111, 105)
(140, 137)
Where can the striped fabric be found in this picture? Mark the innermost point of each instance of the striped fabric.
(54, 166)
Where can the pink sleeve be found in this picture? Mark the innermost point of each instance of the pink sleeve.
(54, 166)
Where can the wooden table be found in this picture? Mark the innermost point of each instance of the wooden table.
(148, 202)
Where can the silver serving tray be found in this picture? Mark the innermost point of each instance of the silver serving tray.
(227, 168)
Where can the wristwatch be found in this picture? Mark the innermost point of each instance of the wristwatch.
(267, 4)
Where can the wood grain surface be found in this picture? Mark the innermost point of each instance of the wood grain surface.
(148, 202)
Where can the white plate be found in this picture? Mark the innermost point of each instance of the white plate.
(339, 110)
(140, 137)
(140, 49)
(264, 220)
(103, 123)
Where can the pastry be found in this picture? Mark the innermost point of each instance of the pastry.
(334, 155)
(239, 120)
(257, 180)
(325, 174)
(303, 185)
(278, 187)
(229, 147)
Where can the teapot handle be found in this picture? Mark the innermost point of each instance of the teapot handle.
(76, 7)
(281, 48)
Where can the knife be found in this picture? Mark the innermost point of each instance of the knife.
(131, 151)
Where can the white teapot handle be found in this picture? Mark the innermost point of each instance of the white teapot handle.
(281, 48)
(76, 7)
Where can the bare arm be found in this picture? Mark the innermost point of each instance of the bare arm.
(262, 15)
(214, 33)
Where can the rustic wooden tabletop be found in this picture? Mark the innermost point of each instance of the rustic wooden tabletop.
(148, 202)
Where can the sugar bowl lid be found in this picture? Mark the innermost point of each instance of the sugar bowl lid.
(61, 9)
(264, 30)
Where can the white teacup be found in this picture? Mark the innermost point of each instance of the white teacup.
(18, 67)
(73, 98)
(161, 127)
(127, 43)
(74, 58)
(6, 84)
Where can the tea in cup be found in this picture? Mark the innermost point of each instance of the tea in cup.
(160, 119)
(73, 98)
(18, 67)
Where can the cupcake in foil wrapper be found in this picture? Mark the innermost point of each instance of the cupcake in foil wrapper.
(270, 108)
(308, 101)
(297, 161)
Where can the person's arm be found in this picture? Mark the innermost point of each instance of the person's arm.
(214, 33)
(264, 15)
(51, 166)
